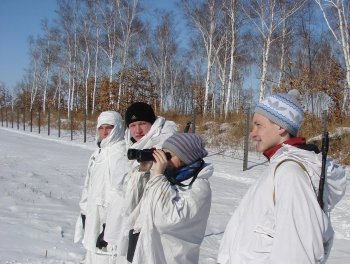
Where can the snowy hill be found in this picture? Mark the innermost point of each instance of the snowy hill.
(41, 181)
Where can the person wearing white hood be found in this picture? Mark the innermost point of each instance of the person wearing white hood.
(107, 168)
(279, 220)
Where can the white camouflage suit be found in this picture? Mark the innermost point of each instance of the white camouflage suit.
(107, 168)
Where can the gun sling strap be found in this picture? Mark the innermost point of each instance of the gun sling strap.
(304, 169)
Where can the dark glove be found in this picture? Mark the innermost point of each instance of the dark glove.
(132, 245)
(83, 218)
(100, 243)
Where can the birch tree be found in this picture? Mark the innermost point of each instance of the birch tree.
(310, 46)
(86, 35)
(95, 69)
(161, 54)
(232, 14)
(284, 38)
(49, 48)
(204, 19)
(107, 11)
(35, 57)
(5, 96)
(129, 26)
(221, 61)
(267, 17)
(95, 46)
(68, 20)
(336, 15)
(228, 52)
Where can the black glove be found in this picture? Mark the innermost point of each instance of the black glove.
(83, 218)
(100, 243)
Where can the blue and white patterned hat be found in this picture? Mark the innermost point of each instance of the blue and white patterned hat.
(283, 109)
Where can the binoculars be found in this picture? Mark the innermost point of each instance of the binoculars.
(144, 154)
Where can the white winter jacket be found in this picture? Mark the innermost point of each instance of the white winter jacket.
(161, 129)
(107, 168)
(171, 220)
(279, 219)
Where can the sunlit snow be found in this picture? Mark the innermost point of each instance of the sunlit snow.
(41, 182)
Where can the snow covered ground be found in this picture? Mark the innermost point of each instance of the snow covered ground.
(41, 180)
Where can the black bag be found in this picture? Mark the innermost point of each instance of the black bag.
(132, 244)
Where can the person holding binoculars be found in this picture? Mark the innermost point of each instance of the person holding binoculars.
(168, 225)
(144, 130)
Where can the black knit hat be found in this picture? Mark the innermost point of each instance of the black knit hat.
(139, 111)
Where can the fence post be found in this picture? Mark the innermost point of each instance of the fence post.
(71, 125)
(24, 118)
(246, 138)
(31, 120)
(85, 117)
(17, 118)
(6, 117)
(39, 121)
(12, 117)
(48, 121)
(59, 122)
(2, 118)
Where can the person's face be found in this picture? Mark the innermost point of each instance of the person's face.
(104, 130)
(265, 133)
(174, 162)
(139, 128)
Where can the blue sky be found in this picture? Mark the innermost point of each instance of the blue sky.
(18, 20)
(21, 18)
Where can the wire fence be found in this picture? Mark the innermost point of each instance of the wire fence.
(44, 121)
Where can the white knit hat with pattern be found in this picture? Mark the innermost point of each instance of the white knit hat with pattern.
(284, 110)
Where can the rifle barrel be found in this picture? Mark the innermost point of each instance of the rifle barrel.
(324, 149)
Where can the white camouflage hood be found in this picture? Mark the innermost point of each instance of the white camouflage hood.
(111, 118)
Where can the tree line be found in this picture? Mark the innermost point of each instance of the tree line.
(214, 57)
